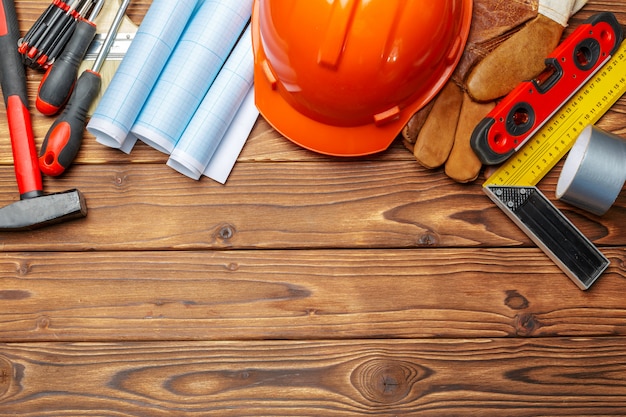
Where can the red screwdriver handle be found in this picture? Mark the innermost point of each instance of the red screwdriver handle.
(13, 83)
(57, 84)
(65, 136)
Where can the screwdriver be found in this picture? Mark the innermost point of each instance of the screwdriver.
(58, 81)
(64, 138)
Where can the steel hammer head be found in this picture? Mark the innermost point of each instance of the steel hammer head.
(36, 212)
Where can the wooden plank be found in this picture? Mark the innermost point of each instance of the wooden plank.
(361, 204)
(597, 6)
(302, 295)
(503, 377)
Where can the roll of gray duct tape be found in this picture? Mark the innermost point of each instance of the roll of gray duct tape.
(594, 172)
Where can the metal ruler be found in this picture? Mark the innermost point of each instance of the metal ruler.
(544, 150)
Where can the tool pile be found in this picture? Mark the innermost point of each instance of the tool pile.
(208, 53)
(58, 43)
(34, 208)
(185, 88)
(551, 110)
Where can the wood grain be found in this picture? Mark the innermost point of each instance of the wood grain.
(362, 204)
(306, 286)
(304, 294)
(477, 377)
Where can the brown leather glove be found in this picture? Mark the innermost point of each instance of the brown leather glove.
(508, 44)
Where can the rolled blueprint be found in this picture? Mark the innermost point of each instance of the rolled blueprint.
(234, 139)
(195, 62)
(125, 96)
(203, 134)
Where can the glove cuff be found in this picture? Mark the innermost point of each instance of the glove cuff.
(560, 10)
(578, 4)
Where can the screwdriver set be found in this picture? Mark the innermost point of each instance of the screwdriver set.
(46, 39)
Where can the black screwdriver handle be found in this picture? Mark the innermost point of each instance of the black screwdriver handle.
(35, 29)
(57, 84)
(13, 83)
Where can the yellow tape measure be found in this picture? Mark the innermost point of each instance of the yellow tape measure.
(542, 152)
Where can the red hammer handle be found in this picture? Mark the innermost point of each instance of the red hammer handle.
(13, 83)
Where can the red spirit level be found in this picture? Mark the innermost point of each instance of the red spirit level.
(532, 103)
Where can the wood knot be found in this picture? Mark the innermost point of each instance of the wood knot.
(43, 323)
(515, 300)
(23, 268)
(428, 239)
(388, 381)
(225, 232)
(526, 324)
(119, 180)
(6, 375)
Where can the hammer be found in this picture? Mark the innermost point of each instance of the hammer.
(34, 209)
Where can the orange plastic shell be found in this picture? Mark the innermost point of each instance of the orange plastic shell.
(343, 77)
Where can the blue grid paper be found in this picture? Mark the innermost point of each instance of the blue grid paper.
(154, 42)
(234, 139)
(189, 73)
(217, 110)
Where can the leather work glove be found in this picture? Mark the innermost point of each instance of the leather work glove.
(508, 44)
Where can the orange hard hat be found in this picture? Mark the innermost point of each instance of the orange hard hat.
(343, 77)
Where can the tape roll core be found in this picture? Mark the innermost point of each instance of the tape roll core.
(594, 172)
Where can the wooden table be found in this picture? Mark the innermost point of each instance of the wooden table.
(306, 285)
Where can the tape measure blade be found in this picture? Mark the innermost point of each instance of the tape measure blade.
(544, 150)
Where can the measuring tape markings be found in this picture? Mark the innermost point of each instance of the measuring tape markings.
(547, 153)
(538, 156)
